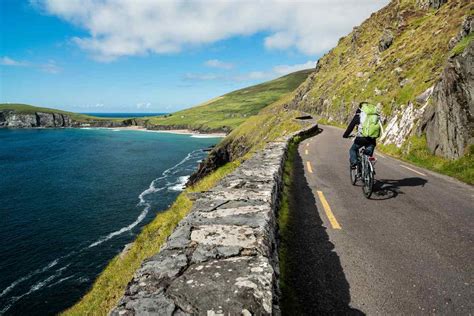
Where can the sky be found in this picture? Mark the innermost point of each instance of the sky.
(160, 55)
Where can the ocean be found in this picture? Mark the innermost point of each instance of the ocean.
(124, 115)
(71, 199)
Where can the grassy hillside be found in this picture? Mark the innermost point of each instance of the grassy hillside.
(355, 70)
(232, 109)
(25, 108)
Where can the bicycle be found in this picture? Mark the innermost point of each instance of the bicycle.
(365, 171)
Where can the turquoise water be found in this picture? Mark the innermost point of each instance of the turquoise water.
(70, 199)
(124, 115)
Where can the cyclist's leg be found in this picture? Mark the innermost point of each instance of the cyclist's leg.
(369, 150)
(353, 153)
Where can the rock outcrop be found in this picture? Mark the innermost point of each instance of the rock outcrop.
(467, 28)
(386, 40)
(222, 257)
(402, 124)
(435, 4)
(14, 119)
(449, 120)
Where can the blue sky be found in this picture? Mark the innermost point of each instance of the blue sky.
(159, 56)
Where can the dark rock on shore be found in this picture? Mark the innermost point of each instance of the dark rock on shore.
(14, 119)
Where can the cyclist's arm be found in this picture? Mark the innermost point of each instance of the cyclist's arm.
(352, 124)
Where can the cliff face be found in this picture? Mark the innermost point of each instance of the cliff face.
(14, 119)
(449, 120)
(10, 118)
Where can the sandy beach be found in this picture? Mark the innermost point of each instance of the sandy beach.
(172, 131)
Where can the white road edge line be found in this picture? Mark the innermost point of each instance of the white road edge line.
(406, 167)
(380, 155)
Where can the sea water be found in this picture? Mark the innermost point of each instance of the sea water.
(71, 199)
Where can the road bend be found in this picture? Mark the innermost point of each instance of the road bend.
(407, 250)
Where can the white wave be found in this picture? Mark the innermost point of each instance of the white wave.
(142, 201)
(151, 189)
(180, 185)
(123, 229)
(61, 280)
(35, 287)
(207, 136)
(28, 276)
(115, 130)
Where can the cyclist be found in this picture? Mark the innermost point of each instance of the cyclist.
(367, 119)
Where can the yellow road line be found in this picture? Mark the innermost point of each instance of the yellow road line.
(420, 173)
(306, 151)
(310, 169)
(329, 213)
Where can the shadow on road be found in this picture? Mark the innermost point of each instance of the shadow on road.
(314, 280)
(386, 189)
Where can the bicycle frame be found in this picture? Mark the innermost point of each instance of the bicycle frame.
(366, 172)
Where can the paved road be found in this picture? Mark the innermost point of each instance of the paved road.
(409, 250)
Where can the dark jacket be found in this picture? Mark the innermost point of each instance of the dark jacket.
(354, 122)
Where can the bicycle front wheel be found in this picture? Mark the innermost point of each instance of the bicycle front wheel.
(368, 186)
(353, 173)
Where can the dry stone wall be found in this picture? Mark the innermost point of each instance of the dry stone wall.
(222, 258)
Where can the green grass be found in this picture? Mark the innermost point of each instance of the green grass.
(416, 151)
(29, 109)
(111, 283)
(227, 112)
(461, 46)
(288, 302)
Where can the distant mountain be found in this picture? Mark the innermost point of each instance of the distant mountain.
(221, 114)
(226, 112)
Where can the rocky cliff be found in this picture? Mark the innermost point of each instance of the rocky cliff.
(16, 119)
(11, 118)
(448, 121)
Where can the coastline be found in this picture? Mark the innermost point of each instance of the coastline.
(170, 131)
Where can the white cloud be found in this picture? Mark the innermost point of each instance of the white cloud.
(135, 27)
(201, 77)
(286, 69)
(215, 63)
(143, 105)
(276, 71)
(50, 67)
(7, 61)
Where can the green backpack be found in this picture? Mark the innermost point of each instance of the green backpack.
(371, 122)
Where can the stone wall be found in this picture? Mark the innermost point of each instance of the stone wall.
(222, 258)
